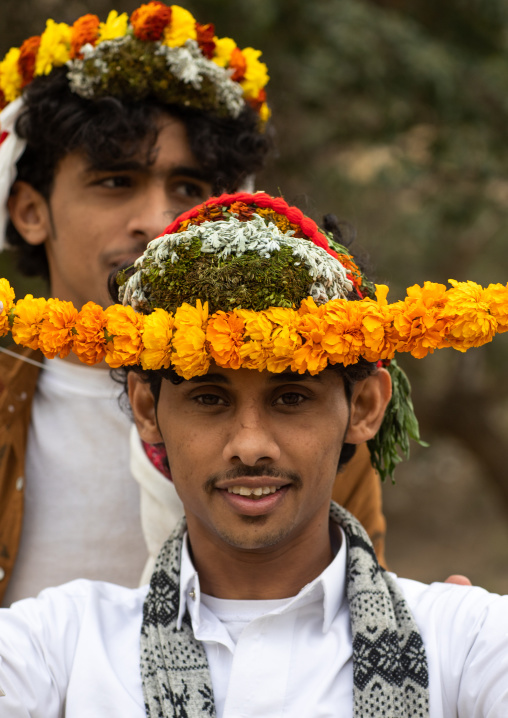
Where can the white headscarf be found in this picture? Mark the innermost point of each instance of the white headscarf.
(11, 150)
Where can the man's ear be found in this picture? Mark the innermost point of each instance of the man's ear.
(143, 408)
(29, 213)
(368, 405)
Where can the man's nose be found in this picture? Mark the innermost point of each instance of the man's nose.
(251, 440)
(151, 214)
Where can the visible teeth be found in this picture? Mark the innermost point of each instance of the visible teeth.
(258, 491)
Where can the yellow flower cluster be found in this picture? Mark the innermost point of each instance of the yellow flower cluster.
(60, 43)
(304, 339)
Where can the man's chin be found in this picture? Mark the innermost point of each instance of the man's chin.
(254, 534)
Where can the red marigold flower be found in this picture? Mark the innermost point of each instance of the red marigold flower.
(85, 30)
(238, 63)
(150, 20)
(3, 103)
(205, 35)
(27, 56)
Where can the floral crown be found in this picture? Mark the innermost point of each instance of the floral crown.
(244, 280)
(160, 50)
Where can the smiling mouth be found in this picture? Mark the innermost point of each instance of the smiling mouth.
(253, 493)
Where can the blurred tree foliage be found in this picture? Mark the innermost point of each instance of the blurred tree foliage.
(393, 114)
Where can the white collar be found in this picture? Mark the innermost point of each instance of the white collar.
(329, 587)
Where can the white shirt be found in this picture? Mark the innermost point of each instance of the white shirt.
(78, 646)
(82, 516)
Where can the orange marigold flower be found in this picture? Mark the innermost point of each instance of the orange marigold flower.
(342, 338)
(56, 334)
(285, 338)
(123, 336)
(241, 210)
(257, 345)
(473, 325)
(224, 334)
(6, 303)
(149, 21)
(205, 35)
(157, 333)
(310, 356)
(28, 316)
(89, 340)
(27, 57)
(84, 31)
(497, 295)
(421, 322)
(238, 63)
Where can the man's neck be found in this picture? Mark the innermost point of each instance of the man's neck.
(279, 571)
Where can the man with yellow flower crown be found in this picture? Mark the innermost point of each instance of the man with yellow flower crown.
(251, 344)
(110, 129)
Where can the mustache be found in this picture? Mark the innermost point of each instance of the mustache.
(243, 470)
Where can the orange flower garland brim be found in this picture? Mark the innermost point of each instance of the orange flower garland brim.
(305, 339)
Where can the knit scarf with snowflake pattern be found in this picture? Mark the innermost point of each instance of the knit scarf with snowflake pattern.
(389, 662)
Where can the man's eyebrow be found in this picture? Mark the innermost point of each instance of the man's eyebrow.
(210, 378)
(293, 376)
(138, 166)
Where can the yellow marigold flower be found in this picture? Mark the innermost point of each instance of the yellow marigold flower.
(253, 355)
(6, 303)
(56, 331)
(123, 335)
(189, 357)
(264, 112)
(224, 47)
(258, 326)
(157, 333)
(421, 322)
(55, 47)
(89, 340)
(28, 316)
(256, 74)
(188, 316)
(10, 76)
(497, 295)
(181, 28)
(473, 324)
(115, 26)
(224, 334)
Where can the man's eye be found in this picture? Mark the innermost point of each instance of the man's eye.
(192, 190)
(209, 400)
(116, 182)
(290, 398)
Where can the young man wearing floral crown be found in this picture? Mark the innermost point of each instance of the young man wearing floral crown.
(268, 600)
(108, 131)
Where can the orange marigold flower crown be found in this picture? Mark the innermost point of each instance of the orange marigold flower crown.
(245, 280)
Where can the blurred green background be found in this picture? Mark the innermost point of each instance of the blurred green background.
(394, 116)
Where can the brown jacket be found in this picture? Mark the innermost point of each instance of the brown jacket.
(357, 487)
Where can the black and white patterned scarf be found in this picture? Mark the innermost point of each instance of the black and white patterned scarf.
(389, 662)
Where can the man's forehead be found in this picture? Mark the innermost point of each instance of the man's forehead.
(235, 376)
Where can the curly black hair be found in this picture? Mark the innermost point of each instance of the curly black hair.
(56, 121)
